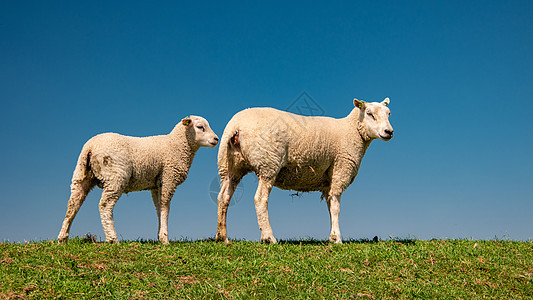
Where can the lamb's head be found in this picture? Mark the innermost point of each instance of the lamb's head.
(374, 120)
(199, 132)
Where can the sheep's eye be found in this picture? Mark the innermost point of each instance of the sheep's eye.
(370, 115)
(200, 127)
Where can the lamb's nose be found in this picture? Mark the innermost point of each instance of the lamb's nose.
(389, 131)
(216, 138)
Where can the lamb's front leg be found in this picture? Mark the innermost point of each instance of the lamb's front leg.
(166, 195)
(334, 207)
(261, 208)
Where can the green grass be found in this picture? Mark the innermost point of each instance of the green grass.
(405, 269)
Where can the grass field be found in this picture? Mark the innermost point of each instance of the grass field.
(401, 269)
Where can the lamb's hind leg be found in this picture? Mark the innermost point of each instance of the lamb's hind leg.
(227, 189)
(110, 196)
(261, 207)
(78, 192)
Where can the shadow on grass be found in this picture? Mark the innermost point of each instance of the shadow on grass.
(350, 241)
(310, 241)
(90, 238)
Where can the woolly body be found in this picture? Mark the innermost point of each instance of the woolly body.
(121, 164)
(139, 163)
(299, 152)
(294, 152)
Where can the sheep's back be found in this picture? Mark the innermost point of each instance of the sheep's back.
(300, 148)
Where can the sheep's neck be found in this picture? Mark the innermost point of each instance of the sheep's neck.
(362, 141)
(355, 117)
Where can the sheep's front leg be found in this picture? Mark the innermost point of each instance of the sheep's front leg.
(107, 203)
(166, 195)
(224, 196)
(78, 193)
(334, 207)
(156, 198)
(261, 207)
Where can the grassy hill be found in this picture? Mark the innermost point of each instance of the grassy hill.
(401, 269)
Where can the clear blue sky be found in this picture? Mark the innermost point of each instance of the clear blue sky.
(459, 75)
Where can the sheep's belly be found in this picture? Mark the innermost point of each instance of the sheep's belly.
(142, 184)
(303, 179)
(137, 186)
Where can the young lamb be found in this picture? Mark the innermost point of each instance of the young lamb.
(121, 164)
(294, 152)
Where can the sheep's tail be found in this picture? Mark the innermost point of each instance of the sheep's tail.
(229, 152)
(223, 156)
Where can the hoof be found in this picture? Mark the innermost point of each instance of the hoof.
(269, 240)
(163, 238)
(220, 238)
(62, 238)
(335, 239)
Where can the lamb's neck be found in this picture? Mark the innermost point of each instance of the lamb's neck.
(181, 145)
(186, 154)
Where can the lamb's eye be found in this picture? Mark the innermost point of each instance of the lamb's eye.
(200, 127)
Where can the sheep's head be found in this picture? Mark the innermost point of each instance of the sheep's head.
(198, 130)
(374, 119)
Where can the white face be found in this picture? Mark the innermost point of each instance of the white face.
(204, 136)
(376, 120)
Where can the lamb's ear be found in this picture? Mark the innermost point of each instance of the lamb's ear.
(359, 103)
(186, 121)
(386, 101)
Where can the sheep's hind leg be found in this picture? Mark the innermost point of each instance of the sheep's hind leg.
(156, 198)
(224, 196)
(78, 193)
(107, 203)
(334, 207)
(261, 207)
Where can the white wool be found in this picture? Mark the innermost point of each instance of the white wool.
(120, 164)
(298, 153)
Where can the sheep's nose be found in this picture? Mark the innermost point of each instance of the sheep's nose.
(389, 131)
(216, 138)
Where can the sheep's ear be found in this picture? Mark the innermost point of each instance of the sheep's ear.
(186, 121)
(359, 103)
(386, 101)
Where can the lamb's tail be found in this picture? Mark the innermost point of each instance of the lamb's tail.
(83, 171)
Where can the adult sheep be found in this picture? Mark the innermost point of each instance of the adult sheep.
(294, 152)
(120, 164)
